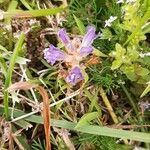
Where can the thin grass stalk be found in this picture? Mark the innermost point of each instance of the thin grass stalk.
(10, 71)
(32, 13)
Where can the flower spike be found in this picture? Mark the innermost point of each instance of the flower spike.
(76, 50)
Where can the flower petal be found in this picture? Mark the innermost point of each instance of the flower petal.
(84, 51)
(89, 36)
(53, 54)
(74, 76)
(63, 36)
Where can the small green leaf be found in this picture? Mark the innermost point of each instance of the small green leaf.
(119, 56)
(85, 119)
(120, 51)
(116, 64)
(132, 54)
(80, 25)
(99, 53)
(129, 71)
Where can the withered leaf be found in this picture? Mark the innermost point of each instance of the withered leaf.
(21, 86)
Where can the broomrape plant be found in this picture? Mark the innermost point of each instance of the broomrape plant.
(76, 50)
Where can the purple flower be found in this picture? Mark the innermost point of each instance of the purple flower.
(75, 75)
(63, 36)
(76, 50)
(89, 37)
(53, 54)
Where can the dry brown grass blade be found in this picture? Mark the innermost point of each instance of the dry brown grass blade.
(21, 86)
(46, 115)
(19, 14)
(45, 112)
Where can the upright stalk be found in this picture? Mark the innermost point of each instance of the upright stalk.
(10, 71)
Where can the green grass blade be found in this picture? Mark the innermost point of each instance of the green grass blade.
(13, 4)
(91, 129)
(26, 4)
(147, 89)
(33, 13)
(10, 70)
(80, 25)
(3, 49)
